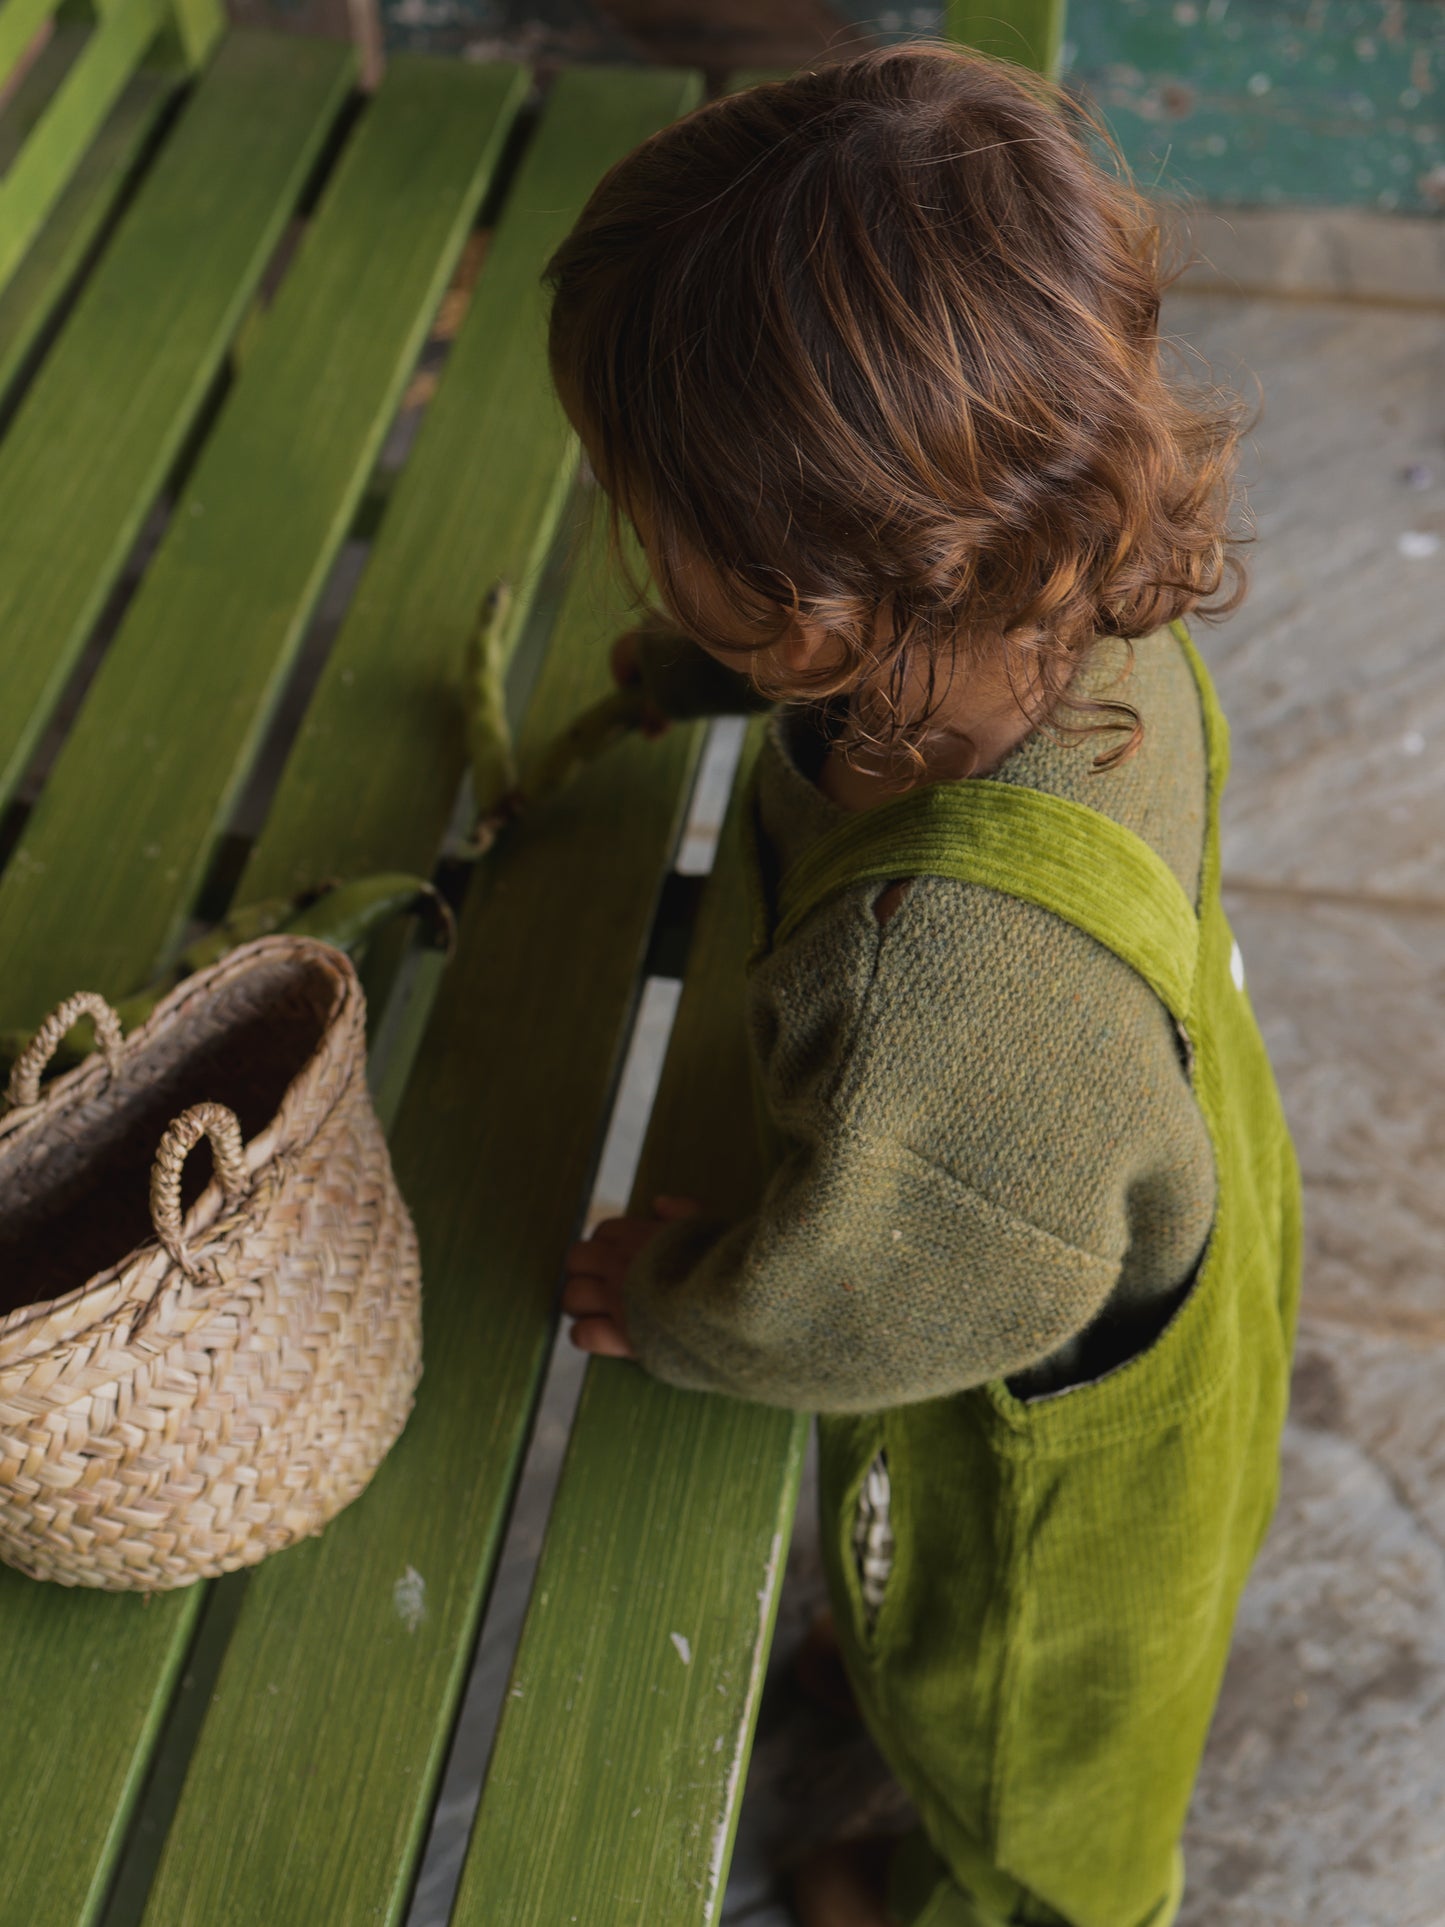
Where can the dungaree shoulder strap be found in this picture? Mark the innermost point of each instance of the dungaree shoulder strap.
(1024, 843)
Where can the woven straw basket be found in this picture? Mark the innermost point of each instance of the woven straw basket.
(193, 1374)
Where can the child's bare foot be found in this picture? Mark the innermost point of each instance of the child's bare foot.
(844, 1884)
(818, 1669)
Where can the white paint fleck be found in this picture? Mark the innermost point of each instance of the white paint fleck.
(1259, 83)
(408, 1596)
(896, 1236)
(684, 1650)
(1413, 743)
(635, 1812)
(1236, 967)
(1418, 545)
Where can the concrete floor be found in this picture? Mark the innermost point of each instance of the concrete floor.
(1322, 1799)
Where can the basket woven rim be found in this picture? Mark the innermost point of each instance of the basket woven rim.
(136, 1273)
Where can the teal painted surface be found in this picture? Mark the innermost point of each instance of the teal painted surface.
(1303, 102)
(1255, 102)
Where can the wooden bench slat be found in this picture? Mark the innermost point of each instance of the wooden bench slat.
(635, 1690)
(97, 433)
(478, 499)
(177, 709)
(57, 253)
(84, 1683)
(1030, 32)
(197, 25)
(312, 1786)
(82, 101)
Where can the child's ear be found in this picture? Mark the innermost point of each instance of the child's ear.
(803, 643)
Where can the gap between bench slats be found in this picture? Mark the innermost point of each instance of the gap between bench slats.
(312, 1801)
(20, 22)
(630, 1711)
(96, 435)
(84, 1677)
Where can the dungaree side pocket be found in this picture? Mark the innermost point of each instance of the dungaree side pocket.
(852, 1449)
(873, 1539)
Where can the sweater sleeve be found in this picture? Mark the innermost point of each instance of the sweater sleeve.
(685, 682)
(868, 1277)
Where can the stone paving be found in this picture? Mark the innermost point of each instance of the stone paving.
(1322, 1799)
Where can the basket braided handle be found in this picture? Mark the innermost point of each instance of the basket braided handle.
(223, 1129)
(29, 1066)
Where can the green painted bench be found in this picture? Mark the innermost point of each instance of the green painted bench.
(218, 267)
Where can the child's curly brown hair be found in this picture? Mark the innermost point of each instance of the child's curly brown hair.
(884, 336)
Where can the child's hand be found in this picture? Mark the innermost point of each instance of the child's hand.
(595, 1269)
(627, 675)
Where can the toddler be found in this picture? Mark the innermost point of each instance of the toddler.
(869, 358)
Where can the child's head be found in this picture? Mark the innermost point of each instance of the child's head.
(870, 358)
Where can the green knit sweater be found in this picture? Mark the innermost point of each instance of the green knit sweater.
(994, 1164)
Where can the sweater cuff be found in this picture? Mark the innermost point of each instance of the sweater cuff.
(686, 682)
(662, 1266)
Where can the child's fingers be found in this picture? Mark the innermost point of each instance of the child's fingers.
(611, 1230)
(586, 1297)
(669, 1207)
(600, 1337)
(592, 1260)
(619, 1231)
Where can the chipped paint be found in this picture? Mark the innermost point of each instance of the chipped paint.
(722, 1832)
(408, 1596)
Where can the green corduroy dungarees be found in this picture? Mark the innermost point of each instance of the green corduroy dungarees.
(1045, 1663)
